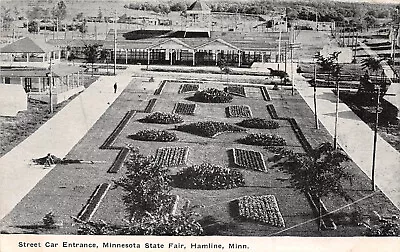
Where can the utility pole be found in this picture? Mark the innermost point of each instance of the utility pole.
(336, 113)
(51, 85)
(315, 97)
(375, 137)
(115, 43)
(291, 65)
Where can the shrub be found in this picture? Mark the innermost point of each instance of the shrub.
(263, 140)
(209, 177)
(163, 118)
(208, 128)
(212, 95)
(259, 123)
(155, 135)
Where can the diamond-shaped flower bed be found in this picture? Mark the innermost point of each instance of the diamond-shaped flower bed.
(263, 140)
(212, 95)
(259, 123)
(175, 156)
(162, 118)
(188, 88)
(236, 90)
(238, 111)
(184, 108)
(209, 177)
(262, 209)
(249, 159)
(208, 128)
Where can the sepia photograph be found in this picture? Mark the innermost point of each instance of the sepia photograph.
(199, 125)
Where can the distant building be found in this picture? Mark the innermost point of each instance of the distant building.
(26, 64)
(197, 18)
(325, 26)
(28, 50)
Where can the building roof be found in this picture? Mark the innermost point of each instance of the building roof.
(59, 70)
(28, 45)
(199, 6)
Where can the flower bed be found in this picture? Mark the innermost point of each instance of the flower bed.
(212, 95)
(150, 105)
(93, 203)
(263, 140)
(188, 88)
(209, 177)
(175, 156)
(259, 123)
(184, 108)
(238, 111)
(155, 135)
(160, 88)
(262, 208)
(162, 118)
(208, 128)
(236, 90)
(249, 159)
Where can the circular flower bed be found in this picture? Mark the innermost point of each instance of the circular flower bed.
(209, 177)
(155, 135)
(212, 95)
(208, 128)
(163, 118)
(259, 123)
(263, 140)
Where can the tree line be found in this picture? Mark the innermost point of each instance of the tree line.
(297, 9)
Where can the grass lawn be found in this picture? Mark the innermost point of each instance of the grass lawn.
(67, 188)
(14, 130)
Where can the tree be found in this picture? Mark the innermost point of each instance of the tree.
(328, 64)
(100, 14)
(372, 64)
(33, 26)
(146, 185)
(92, 54)
(223, 66)
(60, 11)
(320, 172)
(369, 21)
(104, 54)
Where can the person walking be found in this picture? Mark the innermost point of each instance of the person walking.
(115, 87)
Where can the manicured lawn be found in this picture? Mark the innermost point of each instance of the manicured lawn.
(67, 188)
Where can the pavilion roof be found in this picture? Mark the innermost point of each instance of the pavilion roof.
(199, 6)
(28, 45)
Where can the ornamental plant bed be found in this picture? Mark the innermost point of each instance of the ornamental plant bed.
(212, 95)
(249, 159)
(262, 209)
(93, 203)
(208, 128)
(184, 108)
(169, 157)
(209, 177)
(238, 111)
(184, 88)
(263, 140)
(111, 138)
(162, 118)
(236, 90)
(258, 123)
(150, 106)
(154, 135)
(160, 88)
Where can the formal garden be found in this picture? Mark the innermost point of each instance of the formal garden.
(200, 162)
